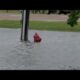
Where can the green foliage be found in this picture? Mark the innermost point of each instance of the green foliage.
(73, 17)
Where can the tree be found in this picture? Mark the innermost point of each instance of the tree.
(52, 11)
(73, 17)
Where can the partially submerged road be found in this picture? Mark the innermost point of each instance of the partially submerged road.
(58, 50)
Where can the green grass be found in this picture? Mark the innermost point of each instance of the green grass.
(40, 25)
(9, 11)
(10, 24)
(53, 26)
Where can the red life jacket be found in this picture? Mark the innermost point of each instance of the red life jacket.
(37, 38)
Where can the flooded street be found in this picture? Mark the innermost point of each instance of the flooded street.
(58, 50)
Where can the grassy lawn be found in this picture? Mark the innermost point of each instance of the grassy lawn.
(40, 25)
(10, 24)
(9, 11)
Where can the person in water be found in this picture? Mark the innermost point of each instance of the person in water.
(37, 38)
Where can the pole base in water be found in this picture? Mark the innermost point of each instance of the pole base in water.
(25, 25)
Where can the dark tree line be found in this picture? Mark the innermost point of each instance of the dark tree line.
(39, 11)
(50, 11)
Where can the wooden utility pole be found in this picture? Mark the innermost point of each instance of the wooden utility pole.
(25, 25)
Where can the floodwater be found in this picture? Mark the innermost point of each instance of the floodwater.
(57, 51)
